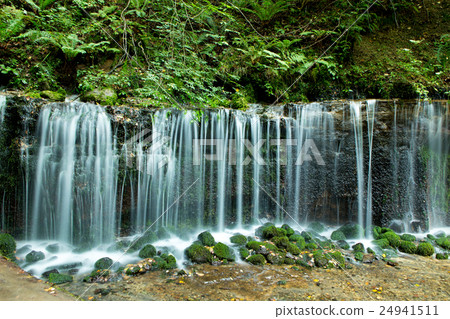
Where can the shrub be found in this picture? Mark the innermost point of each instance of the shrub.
(7, 246)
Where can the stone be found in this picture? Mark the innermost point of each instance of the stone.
(103, 263)
(34, 256)
(103, 96)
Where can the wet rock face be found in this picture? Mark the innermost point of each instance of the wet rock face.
(326, 193)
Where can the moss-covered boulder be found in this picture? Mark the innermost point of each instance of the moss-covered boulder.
(55, 278)
(271, 231)
(34, 256)
(104, 96)
(206, 239)
(382, 243)
(259, 230)
(288, 229)
(320, 260)
(318, 227)
(224, 252)
(146, 238)
(293, 249)
(439, 234)
(244, 253)
(238, 239)
(59, 95)
(53, 248)
(370, 251)
(338, 235)
(393, 239)
(281, 241)
(425, 249)
(358, 247)
(359, 256)
(343, 244)
(164, 262)
(408, 237)
(338, 258)
(407, 247)
(441, 256)
(257, 259)
(311, 246)
(7, 246)
(275, 259)
(253, 245)
(148, 251)
(443, 242)
(198, 254)
(103, 263)
(352, 231)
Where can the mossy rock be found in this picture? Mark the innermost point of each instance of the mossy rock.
(289, 261)
(343, 244)
(425, 249)
(440, 234)
(105, 96)
(238, 239)
(147, 238)
(352, 231)
(259, 230)
(253, 245)
(376, 231)
(59, 95)
(197, 253)
(441, 256)
(275, 259)
(103, 263)
(371, 251)
(338, 235)
(430, 236)
(296, 238)
(308, 236)
(257, 259)
(382, 243)
(393, 239)
(224, 252)
(358, 247)
(164, 262)
(311, 246)
(327, 244)
(270, 247)
(288, 229)
(7, 246)
(359, 256)
(281, 241)
(206, 239)
(54, 248)
(318, 227)
(320, 260)
(148, 251)
(34, 256)
(443, 242)
(407, 247)
(302, 263)
(337, 256)
(408, 237)
(244, 253)
(55, 278)
(271, 231)
(293, 249)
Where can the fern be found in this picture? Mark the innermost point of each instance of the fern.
(266, 10)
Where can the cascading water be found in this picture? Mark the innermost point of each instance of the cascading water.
(2, 107)
(75, 176)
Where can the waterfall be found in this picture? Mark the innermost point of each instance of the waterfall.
(2, 107)
(75, 175)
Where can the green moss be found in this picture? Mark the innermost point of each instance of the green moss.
(337, 256)
(317, 227)
(358, 256)
(382, 243)
(59, 278)
(238, 239)
(146, 238)
(408, 237)
(320, 260)
(224, 252)
(370, 251)
(352, 231)
(270, 247)
(311, 246)
(343, 244)
(148, 251)
(358, 247)
(281, 241)
(275, 259)
(393, 238)
(59, 95)
(338, 235)
(103, 263)
(407, 247)
(198, 254)
(257, 259)
(206, 238)
(441, 256)
(254, 245)
(259, 230)
(302, 263)
(376, 231)
(288, 229)
(289, 261)
(425, 249)
(7, 246)
(272, 231)
(104, 96)
(293, 249)
(430, 236)
(244, 253)
(443, 242)
(164, 262)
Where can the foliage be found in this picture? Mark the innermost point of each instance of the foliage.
(7, 245)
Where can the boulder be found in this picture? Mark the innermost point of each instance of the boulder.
(148, 251)
(238, 239)
(206, 239)
(59, 278)
(103, 263)
(104, 96)
(198, 254)
(222, 251)
(34, 256)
